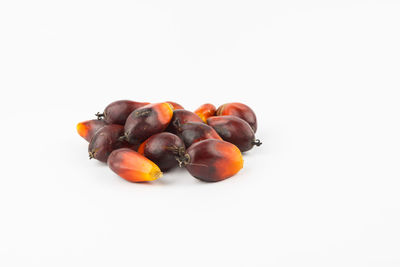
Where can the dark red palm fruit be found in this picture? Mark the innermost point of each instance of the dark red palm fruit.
(133, 166)
(175, 105)
(87, 129)
(117, 112)
(193, 132)
(234, 130)
(205, 111)
(147, 121)
(162, 149)
(212, 160)
(105, 141)
(180, 117)
(239, 110)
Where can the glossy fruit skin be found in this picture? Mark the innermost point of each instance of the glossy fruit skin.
(147, 121)
(234, 130)
(117, 112)
(162, 149)
(240, 110)
(105, 141)
(193, 132)
(205, 111)
(180, 117)
(175, 105)
(87, 129)
(132, 166)
(213, 160)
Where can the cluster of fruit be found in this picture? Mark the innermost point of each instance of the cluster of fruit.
(140, 140)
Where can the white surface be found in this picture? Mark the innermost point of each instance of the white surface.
(323, 77)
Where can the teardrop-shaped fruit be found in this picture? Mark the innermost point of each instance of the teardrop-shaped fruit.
(212, 160)
(180, 117)
(132, 166)
(147, 121)
(193, 132)
(205, 111)
(175, 105)
(105, 141)
(239, 110)
(87, 129)
(234, 130)
(162, 149)
(117, 112)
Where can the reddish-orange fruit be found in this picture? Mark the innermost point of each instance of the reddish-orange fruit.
(162, 149)
(175, 105)
(193, 132)
(117, 112)
(180, 117)
(212, 160)
(205, 111)
(240, 110)
(87, 129)
(234, 130)
(105, 141)
(132, 166)
(146, 121)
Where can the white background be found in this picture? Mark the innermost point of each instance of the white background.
(322, 76)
